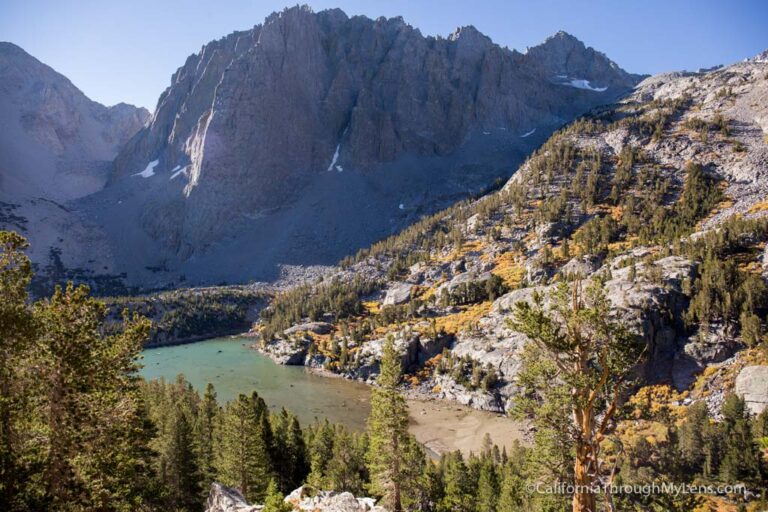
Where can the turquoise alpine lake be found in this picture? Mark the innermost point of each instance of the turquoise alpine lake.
(233, 368)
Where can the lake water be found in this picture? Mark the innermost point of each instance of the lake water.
(234, 368)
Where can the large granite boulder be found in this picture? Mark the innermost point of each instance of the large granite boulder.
(227, 499)
(641, 304)
(752, 386)
(463, 279)
(331, 501)
(580, 267)
(398, 293)
(315, 327)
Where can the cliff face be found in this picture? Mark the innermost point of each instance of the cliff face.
(55, 140)
(313, 134)
(56, 145)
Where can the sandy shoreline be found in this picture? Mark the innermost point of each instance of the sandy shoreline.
(446, 426)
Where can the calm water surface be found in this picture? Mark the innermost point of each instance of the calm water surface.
(234, 368)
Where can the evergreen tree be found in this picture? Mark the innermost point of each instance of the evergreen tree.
(297, 452)
(691, 437)
(181, 464)
(432, 485)
(458, 486)
(96, 436)
(388, 430)
(207, 418)
(289, 454)
(346, 469)
(590, 355)
(487, 486)
(321, 452)
(740, 462)
(511, 489)
(243, 456)
(16, 330)
(274, 500)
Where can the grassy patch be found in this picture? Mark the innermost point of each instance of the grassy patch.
(509, 269)
(762, 206)
(464, 319)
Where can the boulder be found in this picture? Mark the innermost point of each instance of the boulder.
(463, 278)
(398, 293)
(287, 352)
(581, 266)
(227, 499)
(368, 358)
(330, 501)
(752, 386)
(416, 273)
(646, 307)
(315, 327)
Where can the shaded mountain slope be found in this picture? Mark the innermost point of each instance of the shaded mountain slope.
(314, 134)
(56, 145)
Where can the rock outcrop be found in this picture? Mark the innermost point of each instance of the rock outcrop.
(398, 293)
(226, 499)
(331, 501)
(752, 386)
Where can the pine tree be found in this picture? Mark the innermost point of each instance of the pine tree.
(691, 437)
(16, 330)
(274, 499)
(181, 469)
(591, 355)
(297, 451)
(739, 454)
(487, 486)
(346, 469)
(243, 457)
(433, 487)
(320, 453)
(511, 489)
(207, 418)
(388, 430)
(458, 486)
(92, 405)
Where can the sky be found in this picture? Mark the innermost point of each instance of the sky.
(127, 50)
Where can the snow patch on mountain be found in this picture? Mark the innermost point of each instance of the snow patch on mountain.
(580, 83)
(149, 171)
(335, 157)
(177, 171)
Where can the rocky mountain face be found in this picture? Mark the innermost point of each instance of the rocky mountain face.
(314, 134)
(56, 145)
(660, 197)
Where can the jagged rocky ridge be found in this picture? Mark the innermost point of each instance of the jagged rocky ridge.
(56, 145)
(314, 134)
(435, 286)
